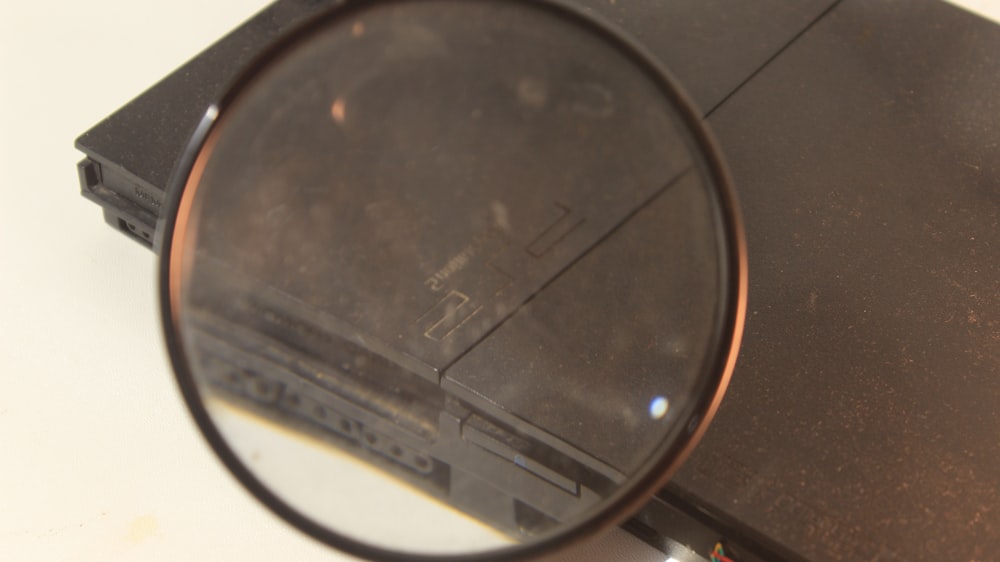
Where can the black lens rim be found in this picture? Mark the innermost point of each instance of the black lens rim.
(710, 387)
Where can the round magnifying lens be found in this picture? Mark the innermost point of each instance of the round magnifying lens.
(452, 278)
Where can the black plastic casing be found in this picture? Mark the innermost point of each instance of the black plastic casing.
(861, 421)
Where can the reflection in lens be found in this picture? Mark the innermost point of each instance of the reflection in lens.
(321, 479)
(658, 408)
(450, 276)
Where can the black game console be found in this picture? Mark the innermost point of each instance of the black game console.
(864, 139)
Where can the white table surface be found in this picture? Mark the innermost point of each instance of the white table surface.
(99, 460)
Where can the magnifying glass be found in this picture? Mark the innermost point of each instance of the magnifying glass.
(452, 278)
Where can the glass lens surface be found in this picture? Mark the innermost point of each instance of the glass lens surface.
(450, 276)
